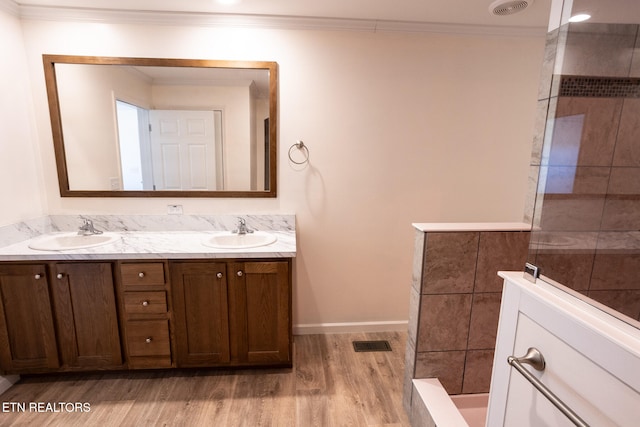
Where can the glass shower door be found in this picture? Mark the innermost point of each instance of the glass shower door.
(586, 217)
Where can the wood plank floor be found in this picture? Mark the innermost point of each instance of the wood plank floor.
(329, 385)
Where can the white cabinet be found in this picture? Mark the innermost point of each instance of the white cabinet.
(592, 360)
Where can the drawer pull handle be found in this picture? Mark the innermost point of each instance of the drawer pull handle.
(239, 273)
(141, 275)
(148, 340)
(219, 275)
(37, 276)
(59, 276)
(145, 303)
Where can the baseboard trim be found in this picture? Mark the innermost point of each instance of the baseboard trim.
(7, 381)
(351, 327)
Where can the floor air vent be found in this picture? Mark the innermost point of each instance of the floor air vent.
(371, 346)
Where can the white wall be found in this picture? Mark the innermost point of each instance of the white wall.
(401, 128)
(21, 193)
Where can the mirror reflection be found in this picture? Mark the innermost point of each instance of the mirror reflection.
(137, 126)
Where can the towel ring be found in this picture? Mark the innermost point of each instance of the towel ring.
(300, 146)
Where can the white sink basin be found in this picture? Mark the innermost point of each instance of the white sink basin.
(71, 240)
(228, 240)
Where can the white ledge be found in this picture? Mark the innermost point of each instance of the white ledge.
(444, 227)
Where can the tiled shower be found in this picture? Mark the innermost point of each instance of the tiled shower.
(587, 213)
(455, 304)
(583, 204)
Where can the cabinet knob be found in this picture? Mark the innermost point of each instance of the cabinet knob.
(148, 340)
(37, 276)
(141, 274)
(219, 275)
(239, 273)
(145, 303)
(59, 276)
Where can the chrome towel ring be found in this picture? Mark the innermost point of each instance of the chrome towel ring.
(305, 152)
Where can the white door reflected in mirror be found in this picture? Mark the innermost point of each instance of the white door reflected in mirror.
(169, 149)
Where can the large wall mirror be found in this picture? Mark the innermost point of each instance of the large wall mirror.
(138, 127)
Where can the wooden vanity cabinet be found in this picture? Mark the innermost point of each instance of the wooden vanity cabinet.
(58, 316)
(84, 303)
(27, 335)
(232, 313)
(85, 315)
(200, 309)
(260, 307)
(145, 314)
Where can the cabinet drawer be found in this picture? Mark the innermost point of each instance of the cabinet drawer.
(148, 338)
(145, 302)
(142, 274)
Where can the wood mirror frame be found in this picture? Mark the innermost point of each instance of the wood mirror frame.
(50, 61)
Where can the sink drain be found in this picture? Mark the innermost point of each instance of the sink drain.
(361, 346)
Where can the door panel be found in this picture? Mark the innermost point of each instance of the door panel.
(84, 300)
(183, 149)
(201, 313)
(262, 309)
(27, 336)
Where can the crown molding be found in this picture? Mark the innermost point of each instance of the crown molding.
(260, 21)
(11, 7)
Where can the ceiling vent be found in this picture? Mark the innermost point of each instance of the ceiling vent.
(509, 7)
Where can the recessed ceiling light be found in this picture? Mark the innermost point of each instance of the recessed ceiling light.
(581, 17)
(227, 2)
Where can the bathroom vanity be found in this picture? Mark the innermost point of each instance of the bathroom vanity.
(146, 300)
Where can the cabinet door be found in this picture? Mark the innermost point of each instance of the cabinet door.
(27, 336)
(86, 316)
(261, 309)
(201, 313)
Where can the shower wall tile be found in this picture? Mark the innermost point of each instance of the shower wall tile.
(624, 181)
(447, 366)
(499, 251)
(409, 375)
(571, 268)
(572, 213)
(449, 262)
(485, 312)
(532, 191)
(627, 152)
(576, 179)
(626, 302)
(621, 213)
(477, 371)
(414, 315)
(418, 255)
(538, 203)
(635, 61)
(444, 322)
(597, 49)
(548, 63)
(539, 126)
(457, 311)
(584, 132)
(615, 271)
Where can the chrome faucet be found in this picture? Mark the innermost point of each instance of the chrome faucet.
(87, 229)
(242, 227)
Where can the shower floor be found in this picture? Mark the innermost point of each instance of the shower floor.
(472, 407)
(464, 410)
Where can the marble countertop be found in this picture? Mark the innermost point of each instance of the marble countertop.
(149, 237)
(155, 245)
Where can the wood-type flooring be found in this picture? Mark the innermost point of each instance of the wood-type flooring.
(329, 385)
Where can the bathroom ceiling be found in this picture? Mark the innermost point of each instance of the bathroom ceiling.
(455, 12)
